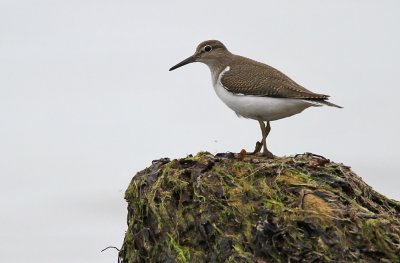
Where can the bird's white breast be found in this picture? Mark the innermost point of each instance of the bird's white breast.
(257, 107)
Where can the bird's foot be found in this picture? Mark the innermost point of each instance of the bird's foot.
(268, 154)
(257, 149)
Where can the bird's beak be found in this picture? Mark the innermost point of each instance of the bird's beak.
(190, 59)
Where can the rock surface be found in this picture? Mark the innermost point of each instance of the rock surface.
(231, 208)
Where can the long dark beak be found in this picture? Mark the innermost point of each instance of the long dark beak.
(190, 59)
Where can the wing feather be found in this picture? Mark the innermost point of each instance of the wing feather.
(250, 77)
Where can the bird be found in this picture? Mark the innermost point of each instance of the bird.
(254, 90)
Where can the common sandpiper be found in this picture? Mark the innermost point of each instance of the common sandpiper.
(252, 89)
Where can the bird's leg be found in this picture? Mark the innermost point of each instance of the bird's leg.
(264, 134)
(259, 145)
(265, 131)
(257, 149)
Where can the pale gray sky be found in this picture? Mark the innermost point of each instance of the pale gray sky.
(86, 100)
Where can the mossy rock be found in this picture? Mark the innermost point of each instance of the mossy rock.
(231, 208)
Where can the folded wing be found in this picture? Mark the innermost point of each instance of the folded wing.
(250, 77)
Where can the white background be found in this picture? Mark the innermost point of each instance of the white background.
(86, 101)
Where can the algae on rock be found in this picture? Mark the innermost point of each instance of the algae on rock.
(231, 208)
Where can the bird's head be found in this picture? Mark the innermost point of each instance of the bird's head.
(208, 52)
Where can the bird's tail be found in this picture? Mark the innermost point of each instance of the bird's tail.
(331, 104)
(323, 102)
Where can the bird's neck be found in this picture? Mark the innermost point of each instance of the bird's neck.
(218, 65)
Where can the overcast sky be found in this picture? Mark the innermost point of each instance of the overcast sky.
(86, 101)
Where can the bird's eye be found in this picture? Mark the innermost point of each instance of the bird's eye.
(207, 48)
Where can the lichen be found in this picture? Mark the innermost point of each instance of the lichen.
(230, 208)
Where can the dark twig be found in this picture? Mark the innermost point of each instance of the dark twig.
(110, 247)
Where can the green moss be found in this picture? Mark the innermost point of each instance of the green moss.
(272, 204)
(183, 253)
(242, 253)
(205, 208)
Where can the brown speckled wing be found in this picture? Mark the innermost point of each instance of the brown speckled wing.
(250, 77)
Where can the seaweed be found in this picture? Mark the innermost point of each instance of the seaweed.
(230, 208)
